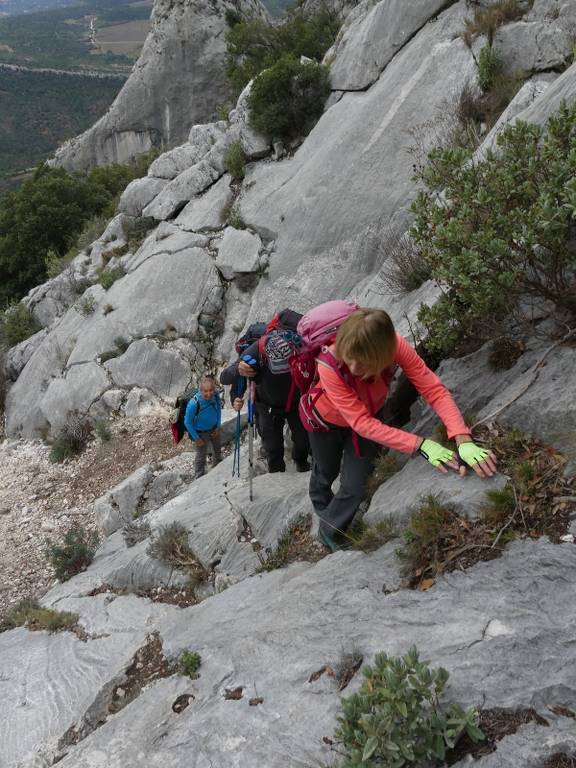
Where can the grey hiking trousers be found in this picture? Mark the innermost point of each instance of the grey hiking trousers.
(202, 452)
(333, 453)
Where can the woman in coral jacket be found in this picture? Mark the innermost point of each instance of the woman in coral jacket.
(366, 346)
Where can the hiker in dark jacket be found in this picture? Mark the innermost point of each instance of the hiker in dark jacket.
(202, 421)
(272, 394)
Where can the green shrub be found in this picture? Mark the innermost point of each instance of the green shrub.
(497, 230)
(170, 545)
(489, 68)
(136, 231)
(420, 551)
(74, 553)
(91, 231)
(55, 264)
(70, 440)
(369, 538)
(51, 211)
(235, 160)
(17, 324)
(86, 305)
(254, 45)
(234, 218)
(107, 277)
(30, 614)
(396, 718)
(232, 16)
(287, 100)
(189, 663)
(403, 268)
(102, 430)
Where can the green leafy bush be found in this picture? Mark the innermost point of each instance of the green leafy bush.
(136, 231)
(107, 277)
(190, 663)
(74, 553)
(254, 45)
(396, 718)
(497, 230)
(49, 213)
(235, 160)
(17, 324)
(489, 68)
(287, 100)
(70, 440)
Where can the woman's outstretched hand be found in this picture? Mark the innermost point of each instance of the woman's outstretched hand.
(482, 461)
(436, 454)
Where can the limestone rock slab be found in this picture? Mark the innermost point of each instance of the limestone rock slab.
(164, 371)
(401, 495)
(139, 193)
(375, 34)
(351, 172)
(238, 253)
(484, 626)
(208, 211)
(533, 46)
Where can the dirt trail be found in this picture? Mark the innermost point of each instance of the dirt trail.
(39, 500)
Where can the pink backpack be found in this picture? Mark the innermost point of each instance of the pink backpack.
(317, 330)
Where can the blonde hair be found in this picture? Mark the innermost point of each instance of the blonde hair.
(368, 338)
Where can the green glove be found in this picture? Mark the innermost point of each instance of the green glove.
(471, 454)
(435, 453)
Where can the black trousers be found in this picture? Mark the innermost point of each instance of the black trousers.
(333, 453)
(270, 424)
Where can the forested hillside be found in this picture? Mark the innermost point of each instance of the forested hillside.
(40, 110)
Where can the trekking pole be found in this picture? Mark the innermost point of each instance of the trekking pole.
(251, 429)
(237, 438)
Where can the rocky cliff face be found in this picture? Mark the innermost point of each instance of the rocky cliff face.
(504, 629)
(177, 81)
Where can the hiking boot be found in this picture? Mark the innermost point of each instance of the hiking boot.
(302, 466)
(327, 541)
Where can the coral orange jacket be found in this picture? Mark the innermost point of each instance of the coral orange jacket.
(342, 406)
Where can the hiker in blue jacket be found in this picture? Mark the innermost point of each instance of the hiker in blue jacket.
(202, 421)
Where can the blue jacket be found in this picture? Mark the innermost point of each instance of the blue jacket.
(202, 415)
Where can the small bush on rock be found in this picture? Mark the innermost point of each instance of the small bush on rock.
(369, 538)
(17, 324)
(108, 277)
(385, 466)
(497, 230)
(30, 614)
(287, 100)
(86, 305)
(190, 664)
(74, 553)
(489, 68)
(403, 268)
(396, 718)
(170, 545)
(70, 440)
(235, 160)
